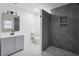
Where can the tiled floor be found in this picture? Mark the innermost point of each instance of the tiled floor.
(53, 51)
(31, 49)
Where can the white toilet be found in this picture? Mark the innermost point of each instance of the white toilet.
(35, 37)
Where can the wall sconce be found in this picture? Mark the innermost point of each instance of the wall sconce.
(11, 12)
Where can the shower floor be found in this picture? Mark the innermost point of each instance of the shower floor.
(53, 51)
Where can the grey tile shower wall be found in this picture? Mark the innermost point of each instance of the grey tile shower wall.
(66, 37)
(45, 29)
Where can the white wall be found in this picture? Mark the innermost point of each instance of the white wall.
(29, 22)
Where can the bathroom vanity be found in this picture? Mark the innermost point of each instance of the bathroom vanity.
(10, 44)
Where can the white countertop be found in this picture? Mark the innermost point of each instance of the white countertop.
(8, 35)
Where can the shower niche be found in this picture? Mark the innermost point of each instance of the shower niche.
(63, 21)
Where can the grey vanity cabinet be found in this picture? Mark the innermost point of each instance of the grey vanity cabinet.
(19, 43)
(11, 45)
(7, 46)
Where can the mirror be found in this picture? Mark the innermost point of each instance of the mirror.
(10, 22)
(7, 24)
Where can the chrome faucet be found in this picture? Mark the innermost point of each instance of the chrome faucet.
(12, 32)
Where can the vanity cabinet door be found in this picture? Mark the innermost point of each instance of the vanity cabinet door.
(7, 46)
(19, 42)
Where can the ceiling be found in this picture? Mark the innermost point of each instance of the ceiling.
(35, 7)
